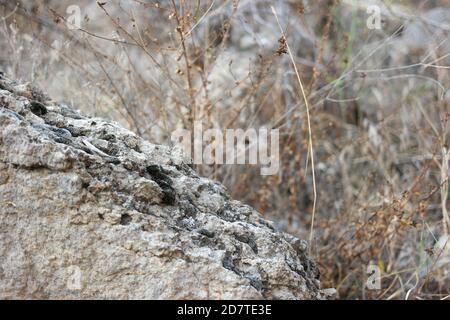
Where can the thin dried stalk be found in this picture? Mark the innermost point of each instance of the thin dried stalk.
(311, 150)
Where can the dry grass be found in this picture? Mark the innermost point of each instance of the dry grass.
(375, 128)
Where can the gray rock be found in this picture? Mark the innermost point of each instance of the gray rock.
(89, 210)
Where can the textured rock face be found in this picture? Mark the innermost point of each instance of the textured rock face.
(90, 210)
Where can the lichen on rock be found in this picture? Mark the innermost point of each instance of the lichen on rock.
(90, 210)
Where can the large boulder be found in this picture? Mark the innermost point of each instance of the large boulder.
(90, 210)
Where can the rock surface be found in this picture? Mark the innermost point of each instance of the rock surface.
(90, 210)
